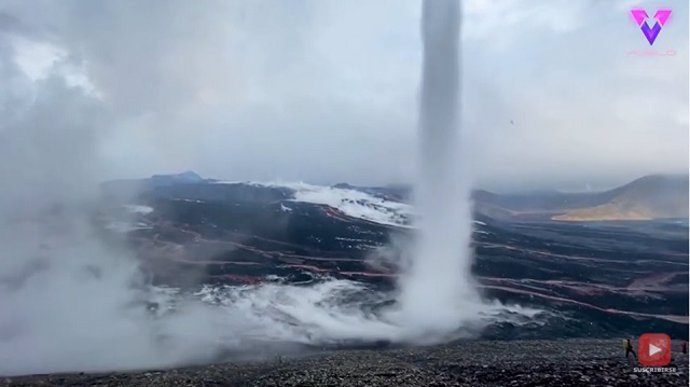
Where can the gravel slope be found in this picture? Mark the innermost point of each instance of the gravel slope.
(470, 363)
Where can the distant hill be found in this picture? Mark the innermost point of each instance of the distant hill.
(649, 197)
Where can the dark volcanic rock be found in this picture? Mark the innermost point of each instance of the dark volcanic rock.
(467, 363)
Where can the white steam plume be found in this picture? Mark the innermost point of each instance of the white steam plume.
(436, 291)
(67, 300)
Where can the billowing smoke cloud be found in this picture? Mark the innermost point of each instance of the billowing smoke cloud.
(68, 300)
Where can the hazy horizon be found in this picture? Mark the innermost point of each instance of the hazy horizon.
(565, 188)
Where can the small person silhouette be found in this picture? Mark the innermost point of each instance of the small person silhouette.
(629, 348)
(684, 347)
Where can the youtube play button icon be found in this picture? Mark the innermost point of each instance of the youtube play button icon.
(654, 349)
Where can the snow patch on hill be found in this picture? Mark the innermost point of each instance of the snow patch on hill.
(357, 204)
(351, 202)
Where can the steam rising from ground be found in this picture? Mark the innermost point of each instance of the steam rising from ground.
(68, 300)
(72, 302)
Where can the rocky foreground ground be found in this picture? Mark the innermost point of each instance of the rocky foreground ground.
(469, 363)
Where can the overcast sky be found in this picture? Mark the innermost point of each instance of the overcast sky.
(326, 91)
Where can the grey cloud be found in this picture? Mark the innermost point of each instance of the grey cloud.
(327, 91)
